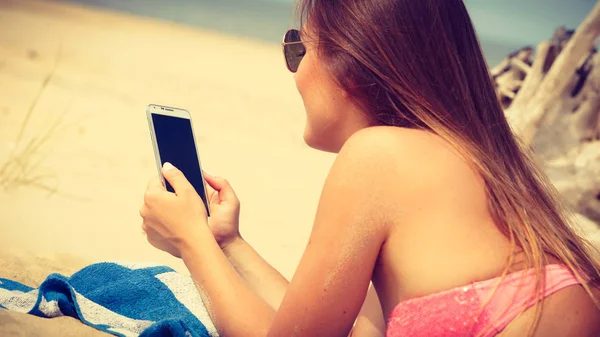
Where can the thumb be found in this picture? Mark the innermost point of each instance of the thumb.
(176, 178)
(220, 185)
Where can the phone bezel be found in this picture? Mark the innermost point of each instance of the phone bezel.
(172, 112)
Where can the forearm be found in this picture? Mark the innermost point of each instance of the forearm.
(260, 276)
(234, 308)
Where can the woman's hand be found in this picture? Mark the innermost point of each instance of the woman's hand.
(172, 220)
(224, 210)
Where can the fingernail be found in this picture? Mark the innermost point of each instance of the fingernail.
(207, 172)
(168, 166)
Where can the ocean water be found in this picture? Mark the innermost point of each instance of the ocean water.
(265, 20)
(502, 25)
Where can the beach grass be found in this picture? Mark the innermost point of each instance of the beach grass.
(22, 167)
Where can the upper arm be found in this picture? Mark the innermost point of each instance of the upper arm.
(329, 286)
(568, 312)
(370, 321)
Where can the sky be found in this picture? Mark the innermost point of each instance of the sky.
(524, 21)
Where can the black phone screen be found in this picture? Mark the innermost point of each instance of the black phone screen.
(175, 141)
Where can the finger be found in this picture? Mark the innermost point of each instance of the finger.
(157, 241)
(155, 184)
(220, 185)
(143, 210)
(152, 194)
(150, 232)
(213, 196)
(164, 246)
(210, 192)
(176, 178)
(145, 227)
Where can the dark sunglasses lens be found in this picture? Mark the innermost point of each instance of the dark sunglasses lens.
(292, 35)
(293, 52)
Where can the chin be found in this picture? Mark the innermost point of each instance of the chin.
(319, 143)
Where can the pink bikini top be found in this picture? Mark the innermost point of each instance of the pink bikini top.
(458, 311)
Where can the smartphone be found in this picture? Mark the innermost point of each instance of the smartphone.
(174, 142)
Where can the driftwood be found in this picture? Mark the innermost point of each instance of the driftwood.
(552, 101)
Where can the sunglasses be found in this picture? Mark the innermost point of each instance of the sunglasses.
(293, 49)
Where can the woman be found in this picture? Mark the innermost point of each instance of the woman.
(430, 197)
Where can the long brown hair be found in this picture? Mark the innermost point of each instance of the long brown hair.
(418, 64)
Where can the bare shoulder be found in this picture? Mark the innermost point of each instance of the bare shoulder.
(404, 171)
(401, 143)
(568, 312)
(406, 155)
(391, 137)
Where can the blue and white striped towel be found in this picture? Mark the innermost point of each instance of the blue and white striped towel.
(123, 299)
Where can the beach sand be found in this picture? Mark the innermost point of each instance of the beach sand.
(92, 73)
(80, 80)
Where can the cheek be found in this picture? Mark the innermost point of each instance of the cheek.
(300, 84)
(310, 82)
(320, 103)
(309, 89)
(302, 77)
(307, 76)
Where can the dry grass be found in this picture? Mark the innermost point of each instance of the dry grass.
(22, 167)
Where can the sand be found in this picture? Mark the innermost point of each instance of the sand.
(92, 73)
(80, 79)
